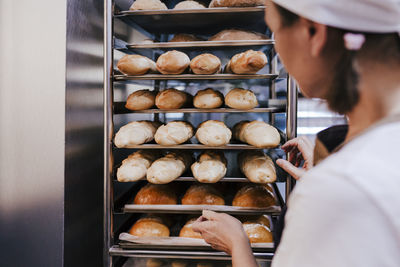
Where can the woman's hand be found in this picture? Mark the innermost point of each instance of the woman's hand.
(299, 149)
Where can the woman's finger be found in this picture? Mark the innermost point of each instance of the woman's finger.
(210, 215)
(203, 226)
(296, 173)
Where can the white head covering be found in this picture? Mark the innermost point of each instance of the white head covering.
(376, 16)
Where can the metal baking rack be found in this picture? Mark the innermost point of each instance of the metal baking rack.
(192, 77)
(202, 44)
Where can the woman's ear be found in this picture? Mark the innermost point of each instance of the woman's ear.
(318, 38)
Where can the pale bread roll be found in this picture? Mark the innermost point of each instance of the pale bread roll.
(257, 232)
(169, 167)
(149, 227)
(136, 65)
(208, 98)
(156, 194)
(205, 64)
(213, 133)
(237, 35)
(240, 98)
(174, 133)
(184, 37)
(187, 231)
(210, 167)
(257, 133)
(135, 166)
(249, 62)
(148, 5)
(202, 194)
(140, 100)
(254, 196)
(172, 99)
(236, 3)
(135, 133)
(257, 167)
(189, 5)
(173, 62)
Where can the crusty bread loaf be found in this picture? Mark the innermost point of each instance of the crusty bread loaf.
(237, 35)
(135, 133)
(184, 37)
(208, 98)
(156, 194)
(205, 64)
(249, 62)
(179, 263)
(255, 196)
(187, 231)
(136, 65)
(173, 62)
(240, 98)
(140, 100)
(257, 167)
(213, 133)
(174, 133)
(210, 167)
(257, 232)
(169, 167)
(257, 133)
(149, 227)
(236, 3)
(172, 99)
(154, 263)
(148, 5)
(202, 194)
(135, 166)
(188, 4)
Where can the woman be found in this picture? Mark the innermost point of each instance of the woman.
(346, 210)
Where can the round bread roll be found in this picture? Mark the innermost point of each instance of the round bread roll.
(258, 233)
(136, 65)
(257, 167)
(208, 98)
(135, 133)
(236, 3)
(149, 227)
(135, 166)
(172, 99)
(202, 195)
(241, 99)
(237, 35)
(179, 264)
(154, 194)
(173, 62)
(140, 100)
(154, 263)
(205, 64)
(210, 167)
(213, 133)
(254, 196)
(174, 133)
(248, 62)
(257, 133)
(187, 230)
(189, 5)
(183, 37)
(148, 5)
(169, 167)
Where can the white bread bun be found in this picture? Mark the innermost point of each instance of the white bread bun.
(136, 65)
(140, 100)
(210, 167)
(213, 133)
(149, 227)
(254, 196)
(135, 166)
(237, 35)
(249, 62)
(236, 3)
(257, 133)
(189, 5)
(135, 133)
(187, 231)
(257, 167)
(174, 133)
(240, 98)
(208, 98)
(172, 99)
(173, 62)
(169, 167)
(202, 194)
(184, 37)
(156, 194)
(257, 232)
(205, 64)
(148, 5)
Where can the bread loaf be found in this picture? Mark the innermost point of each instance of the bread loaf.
(257, 167)
(189, 5)
(241, 99)
(202, 195)
(173, 62)
(257, 133)
(136, 65)
(169, 167)
(249, 62)
(236, 3)
(172, 99)
(174, 133)
(208, 98)
(237, 35)
(135, 166)
(213, 133)
(187, 231)
(210, 167)
(149, 227)
(148, 5)
(179, 263)
(205, 64)
(140, 100)
(254, 196)
(156, 194)
(257, 232)
(183, 37)
(153, 263)
(135, 133)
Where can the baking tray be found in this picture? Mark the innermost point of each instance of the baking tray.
(199, 146)
(200, 44)
(122, 77)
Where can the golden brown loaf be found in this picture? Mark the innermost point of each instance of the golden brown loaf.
(140, 100)
(174, 133)
(240, 98)
(257, 167)
(179, 264)
(154, 263)
(257, 133)
(210, 167)
(172, 99)
(205, 64)
(149, 227)
(187, 231)
(248, 62)
(237, 35)
(202, 194)
(135, 166)
(213, 133)
(156, 194)
(208, 98)
(173, 62)
(236, 3)
(148, 5)
(189, 5)
(257, 232)
(169, 167)
(255, 196)
(184, 37)
(135, 133)
(136, 65)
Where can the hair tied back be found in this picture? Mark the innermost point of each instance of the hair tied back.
(353, 41)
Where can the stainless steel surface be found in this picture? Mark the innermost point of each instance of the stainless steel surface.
(200, 44)
(219, 10)
(195, 77)
(197, 146)
(200, 110)
(225, 179)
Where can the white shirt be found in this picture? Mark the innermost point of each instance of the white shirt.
(345, 212)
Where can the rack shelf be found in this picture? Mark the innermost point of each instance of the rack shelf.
(122, 77)
(199, 146)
